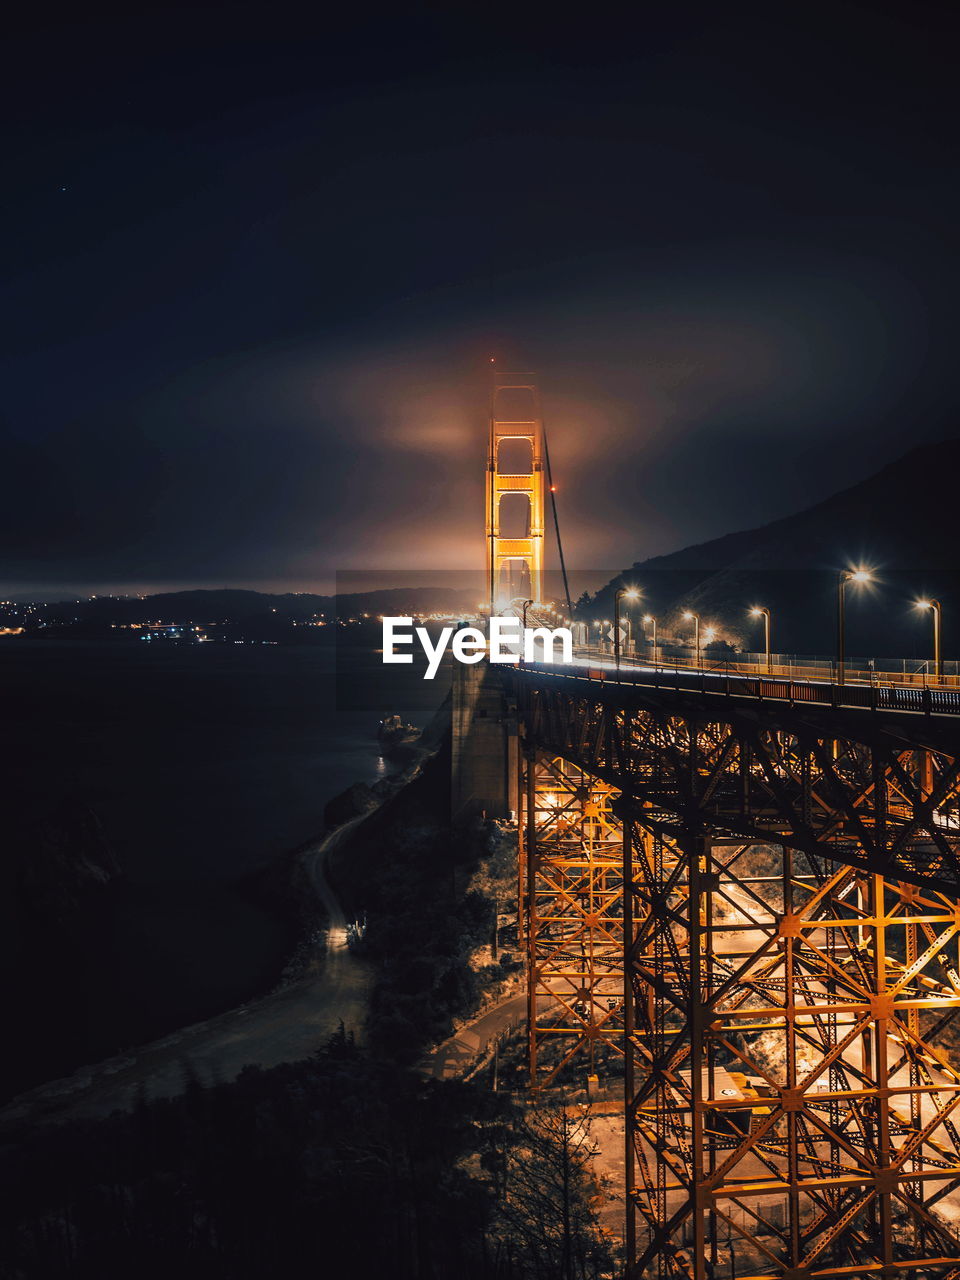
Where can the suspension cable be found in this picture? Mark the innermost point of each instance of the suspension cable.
(556, 523)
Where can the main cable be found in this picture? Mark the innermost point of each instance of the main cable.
(556, 523)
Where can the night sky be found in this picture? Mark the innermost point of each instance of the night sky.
(257, 262)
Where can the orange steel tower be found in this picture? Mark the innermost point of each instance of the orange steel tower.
(515, 490)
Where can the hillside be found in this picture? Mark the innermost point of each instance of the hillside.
(235, 605)
(900, 522)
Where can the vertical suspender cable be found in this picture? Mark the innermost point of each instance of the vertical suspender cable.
(556, 524)
(491, 512)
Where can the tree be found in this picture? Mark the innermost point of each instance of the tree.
(547, 1225)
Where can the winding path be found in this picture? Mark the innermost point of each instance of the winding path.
(284, 1026)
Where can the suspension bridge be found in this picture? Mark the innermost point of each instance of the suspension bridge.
(739, 892)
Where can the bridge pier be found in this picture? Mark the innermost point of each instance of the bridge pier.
(483, 762)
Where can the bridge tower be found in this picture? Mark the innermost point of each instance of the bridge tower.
(515, 490)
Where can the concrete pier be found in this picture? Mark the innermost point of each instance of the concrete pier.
(483, 766)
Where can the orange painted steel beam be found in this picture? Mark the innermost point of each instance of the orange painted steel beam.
(790, 933)
(508, 557)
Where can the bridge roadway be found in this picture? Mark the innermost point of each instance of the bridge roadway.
(906, 696)
(867, 775)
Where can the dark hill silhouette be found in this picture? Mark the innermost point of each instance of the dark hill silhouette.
(238, 605)
(901, 522)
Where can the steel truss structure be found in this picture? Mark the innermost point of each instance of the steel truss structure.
(790, 933)
(571, 877)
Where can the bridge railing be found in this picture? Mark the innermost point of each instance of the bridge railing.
(787, 667)
(922, 700)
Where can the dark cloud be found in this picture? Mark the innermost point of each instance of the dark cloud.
(248, 342)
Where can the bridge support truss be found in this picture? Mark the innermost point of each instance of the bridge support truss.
(571, 870)
(786, 1115)
(788, 918)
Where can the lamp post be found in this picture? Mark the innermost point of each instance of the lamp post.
(649, 618)
(523, 631)
(845, 576)
(695, 619)
(934, 605)
(761, 611)
(622, 593)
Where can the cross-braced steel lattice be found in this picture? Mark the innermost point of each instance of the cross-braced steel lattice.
(864, 790)
(791, 976)
(789, 1114)
(571, 870)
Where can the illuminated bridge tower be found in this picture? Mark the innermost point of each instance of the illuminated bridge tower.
(515, 490)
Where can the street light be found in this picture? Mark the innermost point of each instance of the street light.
(650, 619)
(845, 576)
(695, 619)
(937, 651)
(622, 593)
(761, 611)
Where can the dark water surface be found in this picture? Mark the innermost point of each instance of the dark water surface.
(205, 764)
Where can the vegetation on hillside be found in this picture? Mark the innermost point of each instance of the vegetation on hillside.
(349, 1163)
